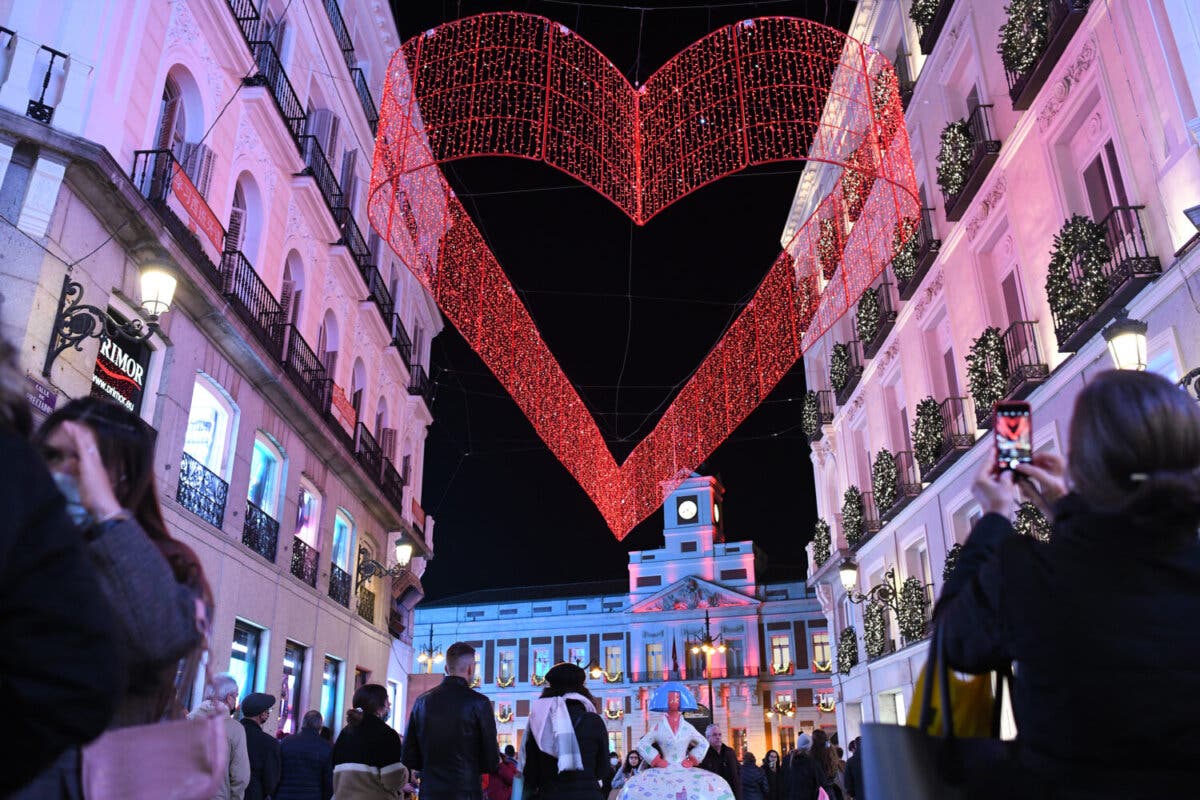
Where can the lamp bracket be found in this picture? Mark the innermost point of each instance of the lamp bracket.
(75, 322)
(368, 568)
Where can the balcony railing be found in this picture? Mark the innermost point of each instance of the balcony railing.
(1129, 269)
(930, 32)
(887, 319)
(907, 84)
(366, 604)
(718, 673)
(305, 369)
(272, 76)
(367, 452)
(304, 561)
(984, 152)
(345, 43)
(253, 301)
(162, 180)
(824, 413)
(392, 486)
(246, 16)
(201, 491)
(1065, 17)
(260, 532)
(958, 435)
(1027, 367)
(339, 585)
(352, 236)
(908, 485)
(871, 523)
(378, 292)
(928, 247)
(401, 341)
(364, 98)
(854, 374)
(317, 165)
(420, 384)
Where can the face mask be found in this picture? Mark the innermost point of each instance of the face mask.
(69, 487)
(614, 761)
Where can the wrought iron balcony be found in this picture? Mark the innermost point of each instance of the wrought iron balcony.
(305, 370)
(392, 486)
(367, 452)
(958, 435)
(930, 32)
(272, 76)
(201, 491)
(871, 522)
(366, 604)
(378, 292)
(824, 413)
(420, 384)
(887, 319)
(1023, 371)
(39, 109)
(1129, 269)
(927, 249)
(908, 485)
(304, 561)
(352, 236)
(364, 98)
(252, 301)
(317, 165)
(345, 43)
(907, 84)
(1065, 17)
(984, 152)
(854, 374)
(401, 341)
(260, 532)
(339, 585)
(162, 180)
(246, 16)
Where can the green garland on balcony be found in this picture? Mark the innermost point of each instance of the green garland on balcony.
(1080, 240)
(821, 542)
(928, 431)
(1030, 521)
(1024, 35)
(866, 320)
(847, 655)
(923, 12)
(810, 414)
(987, 369)
(852, 516)
(884, 477)
(885, 87)
(954, 157)
(904, 250)
(912, 617)
(829, 248)
(951, 561)
(873, 630)
(839, 366)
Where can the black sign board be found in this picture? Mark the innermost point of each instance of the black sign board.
(120, 371)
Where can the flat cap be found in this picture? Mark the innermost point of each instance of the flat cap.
(257, 703)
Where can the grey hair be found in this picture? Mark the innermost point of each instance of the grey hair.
(312, 720)
(712, 727)
(223, 685)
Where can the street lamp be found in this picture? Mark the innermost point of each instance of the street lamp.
(429, 655)
(887, 593)
(369, 567)
(1126, 340)
(75, 321)
(708, 644)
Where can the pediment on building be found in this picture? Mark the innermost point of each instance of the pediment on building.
(691, 593)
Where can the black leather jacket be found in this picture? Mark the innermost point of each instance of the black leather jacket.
(451, 741)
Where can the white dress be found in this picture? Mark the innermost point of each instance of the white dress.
(675, 781)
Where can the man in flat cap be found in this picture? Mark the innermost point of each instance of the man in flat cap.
(262, 747)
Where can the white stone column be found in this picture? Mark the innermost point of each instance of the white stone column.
(1183, 19)
(68, 114)
(6, 151)
(44, 183)
(14, 94)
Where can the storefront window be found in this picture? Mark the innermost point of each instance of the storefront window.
(308, 516)
(243, 660)
(209, 422)
(329, 691)
(343, 533)
(289, 689)
(265, 468)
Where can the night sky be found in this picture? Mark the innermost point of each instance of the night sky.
(630, 313)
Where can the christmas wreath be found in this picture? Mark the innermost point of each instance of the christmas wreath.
(923, 12)
(951, 561)
(884, 477)
(987, 369)
(1030, 521)
(912, 617)
(852, 516)
(904, 250)
(883, 90)
(873, 630)
(847, 655)
(954, 157)
(821, 542)
(928, 431)
(1081, 241)
(1024, 35)
(839, 366)
(810, 414)
(829, 247)
(866, 320)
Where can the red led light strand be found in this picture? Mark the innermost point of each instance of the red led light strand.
(759, 91)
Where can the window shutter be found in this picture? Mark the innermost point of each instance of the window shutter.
(329, 358)
(198, 162)
(286, 292)
(388, 443)
(166, 126)
(275, 33)
(233, 235)
(332, 141)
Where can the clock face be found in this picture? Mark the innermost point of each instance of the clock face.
(687, 509)
(716, 513)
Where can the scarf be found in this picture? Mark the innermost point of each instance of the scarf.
(550, 724)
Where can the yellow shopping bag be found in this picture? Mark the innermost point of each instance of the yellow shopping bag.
(972, 704)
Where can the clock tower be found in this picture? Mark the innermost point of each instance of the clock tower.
(692, 515)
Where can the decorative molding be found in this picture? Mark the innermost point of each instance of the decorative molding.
(183, 31)
(931, 291)
(1062, 88)
(856, 406)
(990, 202)
(884, 361)
(251, 147)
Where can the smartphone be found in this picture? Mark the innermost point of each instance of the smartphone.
(1014, 434)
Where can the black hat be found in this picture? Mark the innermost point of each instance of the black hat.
(566, 676)
(257, 703)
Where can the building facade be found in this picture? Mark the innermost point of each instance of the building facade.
(1055, 170)
(229, 143)
(768, 673)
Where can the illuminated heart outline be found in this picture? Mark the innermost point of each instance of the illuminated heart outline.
(521, 85)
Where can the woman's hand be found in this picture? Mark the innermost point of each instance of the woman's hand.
(995, 491)
(658, 761)
(1045, 481)
(95, 486)
(690, 761)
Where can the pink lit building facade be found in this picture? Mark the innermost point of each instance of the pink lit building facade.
(230, 142)
(1104, 124)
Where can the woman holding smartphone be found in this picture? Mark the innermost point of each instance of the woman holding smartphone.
(1112, 600)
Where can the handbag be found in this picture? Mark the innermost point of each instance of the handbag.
(915, 763)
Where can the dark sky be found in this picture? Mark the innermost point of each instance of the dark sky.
(508, 514)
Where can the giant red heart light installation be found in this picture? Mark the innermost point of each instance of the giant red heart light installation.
(762, 90)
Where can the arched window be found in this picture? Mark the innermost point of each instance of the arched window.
(327, 342)
(358, 385)
(211, 425)
(181, 126)
(386, 436)
(245, 218)
(172, 119)
(266, 475)
(291, 292)
(308, 515)
(343, 538)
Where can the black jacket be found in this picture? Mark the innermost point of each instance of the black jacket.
(1099, 603)
(59, 659)
(724, 762)
(541, 771)
(854, 777)
(754, 782)
(306, 767)
(803, 776)
(451, 741)
(774, 782)
(263, 750)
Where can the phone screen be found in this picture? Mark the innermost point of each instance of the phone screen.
(1014, 435)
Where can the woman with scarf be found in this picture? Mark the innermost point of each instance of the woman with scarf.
(565, 756)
